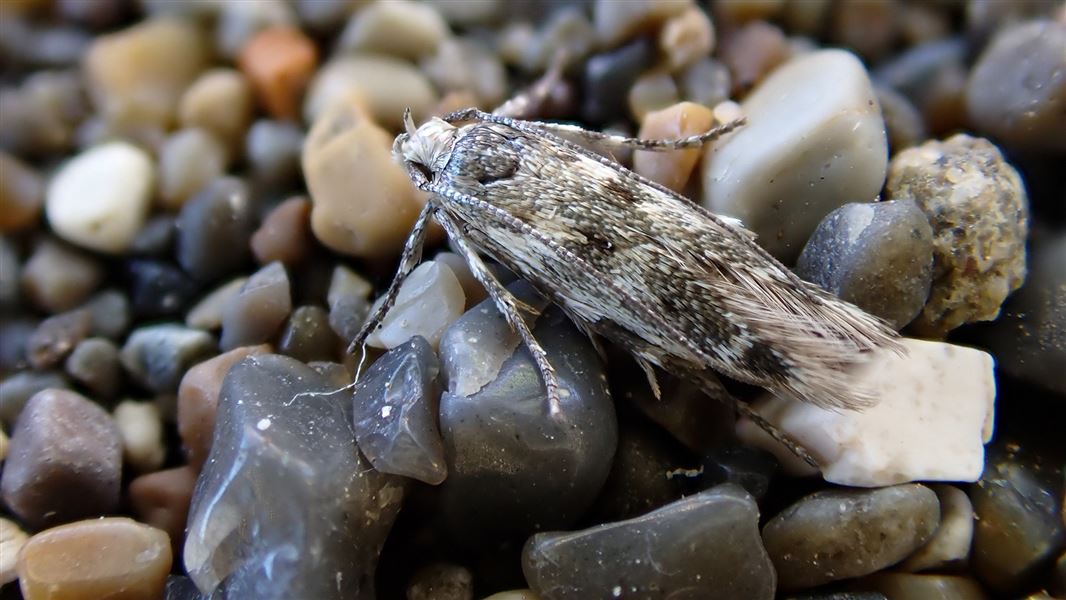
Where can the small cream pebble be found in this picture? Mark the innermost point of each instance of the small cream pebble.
(3, 445)
(12, 538)
(141, 428)
(950, 545)
(727, 111)
(99, 200)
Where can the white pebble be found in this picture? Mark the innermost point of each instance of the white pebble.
(933, 416)
(429, 300)
(99, 200)
(141, 427)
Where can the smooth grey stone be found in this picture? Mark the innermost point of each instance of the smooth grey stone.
(10, 271)
(706, 81)
(878, 256)
(608, 77)
(158, 289)
(751, 468)
(285, 506)
(395, 413)
(913, 71)
(111, 314)
(307, 336)
(56, 336)
(255, 315)
(514, 468)
(64, 462)
(17, 389)
(694, 419)
(704, 547)
(1018, 509)
(157, 356)
(214, 230)
(95, 364)
(156, 237)
(14, 334)
(845, 533)
(273, 149)
(349, 302)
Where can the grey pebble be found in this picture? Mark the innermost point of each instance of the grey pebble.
(214, 229)
(395, 408)
(42, 47)
(307, 336)
(257, 312)
(207, 313)
(180, 587)
(273, 151)
(349, 302)
(878, 256)
(288, 470)
(840, 534)
(664, 553)
(157, 356)
(17, 389)
(14, 333)
(706, 81)
(159, 289)
(64, 462)
(156, 237)
(10, 274)
(750, 468)
(95, 364)
(111, 314)
(57, 277)
(42, 114)
(913, 72)
(903, 123)
(56, 336)
(608, 77)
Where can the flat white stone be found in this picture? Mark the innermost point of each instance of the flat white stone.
(934, 415)
(99, 199)
(815, 140)
(429, 300)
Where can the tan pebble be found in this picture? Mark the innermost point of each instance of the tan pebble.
(141, 427)
(114, 558)
(162, 499)
(686, 38)
(198, 400)
(3, 446)
(616, 22)
(731, 13)
(387, 85)
(672, 169)
(12, 538)
(398, 27)
(346, 151)
(137, 75)
(21, 194)
(869, 28)
(752, 52)
(221, 102)
(207, 313)
(279, 61)
(652, 91)
(285, 234)
(57, 278)
(453, 101)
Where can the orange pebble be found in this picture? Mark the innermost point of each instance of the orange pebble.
(279, 61)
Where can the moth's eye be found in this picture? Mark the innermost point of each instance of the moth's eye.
(421, 168)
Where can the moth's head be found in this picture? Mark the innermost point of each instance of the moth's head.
(426, 148)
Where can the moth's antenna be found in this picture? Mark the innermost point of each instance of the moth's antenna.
(349, 386)
(408, 122)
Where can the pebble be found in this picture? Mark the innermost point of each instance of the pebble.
(220, 102)
(41, 115)
(933, 414)
(878, 256)
(188, 161)
(840, 534)
(470, 12)
(441, 581)
(514, 595)
(156, 356)
(335, 511)
(285, 234)
(141, 427)
(751, 468)
(68, 562)
(400, 28)
(344, 151)
(607, 78)
(57, 278)
(387, 85)
(273, 149)
(473, 291)
(156, 237)
(159, 289)
(239, 23)
(279, 62)
(461, 65)
(95, 14)
(567, 29)
(136, 76)
(257, 312)
(430, 300)
(682, 410)
(395, 408)
(753, 52)
(161, 499)
(950, 545)
(111, 314)
(349, 302)
(686, 38)
(21, 194)
(815, 140)
(672, 169)
(94, 363)
(17, 389)
(1029, 339)
(4, 442)
(904, 125)
(207, 313)
(707, 82)
(661, 554)
(198, 400)
(513, 468)
(99, 199)
(64, 463)
(906, 586)
(1017, 89)
(977, 206)
(14, 334)
(55, 337)
(307, 335)
(871, 28)
(10, 274)
(12, 539)
(220, 216)
(1019, 525)
(652, 91)
(616, 22)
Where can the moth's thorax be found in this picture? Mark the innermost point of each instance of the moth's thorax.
(430, 145)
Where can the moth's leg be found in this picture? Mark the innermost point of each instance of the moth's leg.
(609, 141)
(525, 104)
(412, 254)
(509, 306)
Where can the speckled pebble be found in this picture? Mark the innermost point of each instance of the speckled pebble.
(57, 278)
(94, 363)
(156, 356)
(141, 426)
(258, 310)
(220, 216)
(55, 337)
(188, 160)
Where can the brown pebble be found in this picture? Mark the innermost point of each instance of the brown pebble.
(221, 102)
(64, 462)
(672, 169)
(21, 194)
(752, 52)
(162, 499)
(57, 278)
(869, 27)
(279, 61)
(56, 336)
(198, 399)
(114, 558)
(285, 234)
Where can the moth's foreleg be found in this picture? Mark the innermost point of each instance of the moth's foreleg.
(412, 254)
(509, 306)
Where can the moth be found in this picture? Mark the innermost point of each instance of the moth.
(627, 259)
